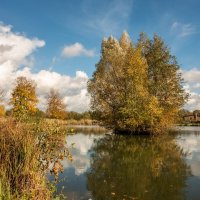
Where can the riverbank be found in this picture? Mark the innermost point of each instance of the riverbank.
(26, 152)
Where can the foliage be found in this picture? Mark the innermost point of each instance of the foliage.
(78, 116)
(196, 112)
(26, 152)
(39, 113)
(55, 106)
(136, 89)
(2, 111)
(181, 114)
(140, 108)
(24, 98)
(52, 143)
(165, 80)
(19, 174)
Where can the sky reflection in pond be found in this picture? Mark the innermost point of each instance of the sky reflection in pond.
(189, 140)
(106, 167)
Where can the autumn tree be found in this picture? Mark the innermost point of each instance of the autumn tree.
(165, 79)
(123, 95)
(119, 87)
(140, 110)
(55, 105)
(24, 98)
(105, 88)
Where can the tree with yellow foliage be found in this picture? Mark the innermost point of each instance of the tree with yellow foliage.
(24, 98)
(165, 79)
(55, 105)
(140, 111)
(124, 96)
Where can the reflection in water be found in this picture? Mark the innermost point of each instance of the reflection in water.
(189, 140)
(137, 168)
(191, 145)
(74, 172)
(140, 168)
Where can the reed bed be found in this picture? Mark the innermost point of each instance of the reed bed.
(26, 152)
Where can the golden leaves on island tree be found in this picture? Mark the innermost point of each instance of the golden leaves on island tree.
(136, 88)
(165, 79)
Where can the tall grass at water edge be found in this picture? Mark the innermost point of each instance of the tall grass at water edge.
(26, 151)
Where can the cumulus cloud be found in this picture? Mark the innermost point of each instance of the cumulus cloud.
(16, 59)
(183, 29)
(192, 75)
(15, 49)
(76, 49)
(192, 86)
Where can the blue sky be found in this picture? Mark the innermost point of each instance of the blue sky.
(64, 23)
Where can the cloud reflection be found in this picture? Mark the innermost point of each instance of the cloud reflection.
(191, 145)
(80, 154)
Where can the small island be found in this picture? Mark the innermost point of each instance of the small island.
(137, 89)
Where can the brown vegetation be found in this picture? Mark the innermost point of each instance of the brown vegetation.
(26, 151)
(19, 164)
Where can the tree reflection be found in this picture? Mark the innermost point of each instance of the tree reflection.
(137, 168)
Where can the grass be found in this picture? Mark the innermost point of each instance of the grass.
(19, 164)
(87, 122)
(26, 151)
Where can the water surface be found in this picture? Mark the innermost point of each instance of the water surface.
(123, 167)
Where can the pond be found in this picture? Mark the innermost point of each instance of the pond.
(106, 167)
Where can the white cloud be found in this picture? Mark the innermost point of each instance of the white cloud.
(183, 29)
(15, 48)
(192, 86)
(192, 75)
(5, 28)
(76, 49)
(16, 59)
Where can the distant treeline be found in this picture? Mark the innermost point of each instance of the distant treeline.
(71, 115)
(24, 101)
(185, 112)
